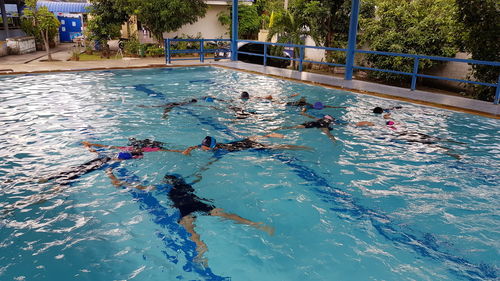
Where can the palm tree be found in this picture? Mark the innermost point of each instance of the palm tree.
(289, 28)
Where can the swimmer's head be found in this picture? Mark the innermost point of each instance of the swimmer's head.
(173, 179)
(209, 99)
(318, 105)
(390, 123)
(378, 110)
(209, 142)
(194, 100)
(329, 118)
(244, 96)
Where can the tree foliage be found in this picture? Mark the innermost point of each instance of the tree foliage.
(42, 22)
(249, 21)
(328, 22)
(414, 27)
(158, 16)
(289, 26)
(481, 20)
(168, 15)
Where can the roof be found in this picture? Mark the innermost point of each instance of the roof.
(78, 7)
(64, 7)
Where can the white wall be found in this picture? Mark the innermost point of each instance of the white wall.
(313, 54)
(209, 26)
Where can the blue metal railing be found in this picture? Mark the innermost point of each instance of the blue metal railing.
(201, 51)
(301, 60)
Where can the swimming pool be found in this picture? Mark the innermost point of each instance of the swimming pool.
(371, 206)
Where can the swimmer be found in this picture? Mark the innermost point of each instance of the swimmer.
(190, 205)
(325, 124)
(387, 115)
(171, 105)
(302, 102)
(67, 177)
(416, 137)
(145, 145)
(209, 143)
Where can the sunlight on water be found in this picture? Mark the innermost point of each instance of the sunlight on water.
(374, 205)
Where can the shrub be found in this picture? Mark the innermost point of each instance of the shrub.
(154, 51)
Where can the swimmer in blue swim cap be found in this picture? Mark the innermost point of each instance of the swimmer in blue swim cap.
(209, 143)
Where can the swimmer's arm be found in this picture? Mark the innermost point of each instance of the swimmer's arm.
(118, 183)
(171, 150)
(189, 149)
(329, 106)
(270, 135)
(150, 106)
(88, 145)
(328, 134)
(303, 112)
(364, 124)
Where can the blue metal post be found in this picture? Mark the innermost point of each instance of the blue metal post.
(497, 95)
(169, 61)
(351, 44)
(202, 50)
(301, 58)
(414, 77)
(234, 33)
(265, 54)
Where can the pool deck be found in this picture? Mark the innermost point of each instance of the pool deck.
(32, 63)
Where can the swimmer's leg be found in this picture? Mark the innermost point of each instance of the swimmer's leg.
(220, 213)
(450, 152)
(188, 222)
(270, 135)
(328, 134)
(289, 128)
(290, 147)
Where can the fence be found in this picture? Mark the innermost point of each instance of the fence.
(301, 60)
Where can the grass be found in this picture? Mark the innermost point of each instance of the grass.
(85, 57)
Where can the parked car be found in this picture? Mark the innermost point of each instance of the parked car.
(225, 53)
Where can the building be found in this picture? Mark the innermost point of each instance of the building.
(10, 21)
(71, 15)
(207, 27)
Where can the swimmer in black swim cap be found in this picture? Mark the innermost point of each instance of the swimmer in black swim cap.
(183, 197)
(325, 124)
(244, 96)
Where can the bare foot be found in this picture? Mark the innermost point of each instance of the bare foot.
(268, 229)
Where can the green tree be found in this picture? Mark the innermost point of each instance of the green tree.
(248, 21)
(290, 28)
(42, 22)
(414, 27)
(168, 15)
(328, 22)
(481, 21)
(106, 20)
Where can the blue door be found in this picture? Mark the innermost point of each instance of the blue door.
(70, 28)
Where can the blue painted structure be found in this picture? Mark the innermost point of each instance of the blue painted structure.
(201, 51)
(351, 43)
(234, 32)
(71, 24)
(70, 28)
(351, 52)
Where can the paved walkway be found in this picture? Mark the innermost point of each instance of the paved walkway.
(30, 63)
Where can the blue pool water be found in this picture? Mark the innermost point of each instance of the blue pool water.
(371, 206)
